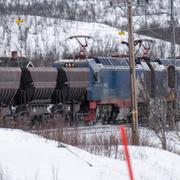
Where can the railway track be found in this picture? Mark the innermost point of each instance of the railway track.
(83, 130)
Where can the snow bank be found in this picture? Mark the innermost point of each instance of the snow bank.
(27, 156)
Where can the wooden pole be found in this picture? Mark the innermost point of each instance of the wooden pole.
(134, 110)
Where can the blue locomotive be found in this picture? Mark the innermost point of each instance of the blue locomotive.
(107, 95)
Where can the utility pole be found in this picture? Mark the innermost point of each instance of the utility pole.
(134, 110)
(173, 41)
(134, 107)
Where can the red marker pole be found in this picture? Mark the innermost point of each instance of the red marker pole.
(124, 139)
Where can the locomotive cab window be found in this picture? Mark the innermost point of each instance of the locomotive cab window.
(96, 77)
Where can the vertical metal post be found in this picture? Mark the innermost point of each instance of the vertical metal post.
(173, 57)
(173, 41)
(1, 116)
(135, 135)
(72, 113)
(146, 15)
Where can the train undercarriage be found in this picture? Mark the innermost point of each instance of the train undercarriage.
(34, 116)
(73, 114)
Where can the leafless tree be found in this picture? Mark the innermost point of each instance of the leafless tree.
(158, 119)
(109, 47)
(23, 37)
(161, 113)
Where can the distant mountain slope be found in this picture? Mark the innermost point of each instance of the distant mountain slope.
(91, 10)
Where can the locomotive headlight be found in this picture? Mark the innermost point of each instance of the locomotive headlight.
(70, 65)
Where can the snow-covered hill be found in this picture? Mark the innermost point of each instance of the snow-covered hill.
(39, 35)
(45, 29)
(45, 34)
(27, 156)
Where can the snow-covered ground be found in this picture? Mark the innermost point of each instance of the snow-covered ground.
(26, 156)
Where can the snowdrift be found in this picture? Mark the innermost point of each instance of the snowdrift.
(27, 156)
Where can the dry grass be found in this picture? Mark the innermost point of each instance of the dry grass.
(106, 144)
(99, 144)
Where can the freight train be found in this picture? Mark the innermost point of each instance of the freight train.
(89, 90)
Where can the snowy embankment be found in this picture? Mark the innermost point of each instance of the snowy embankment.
(27, 156)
